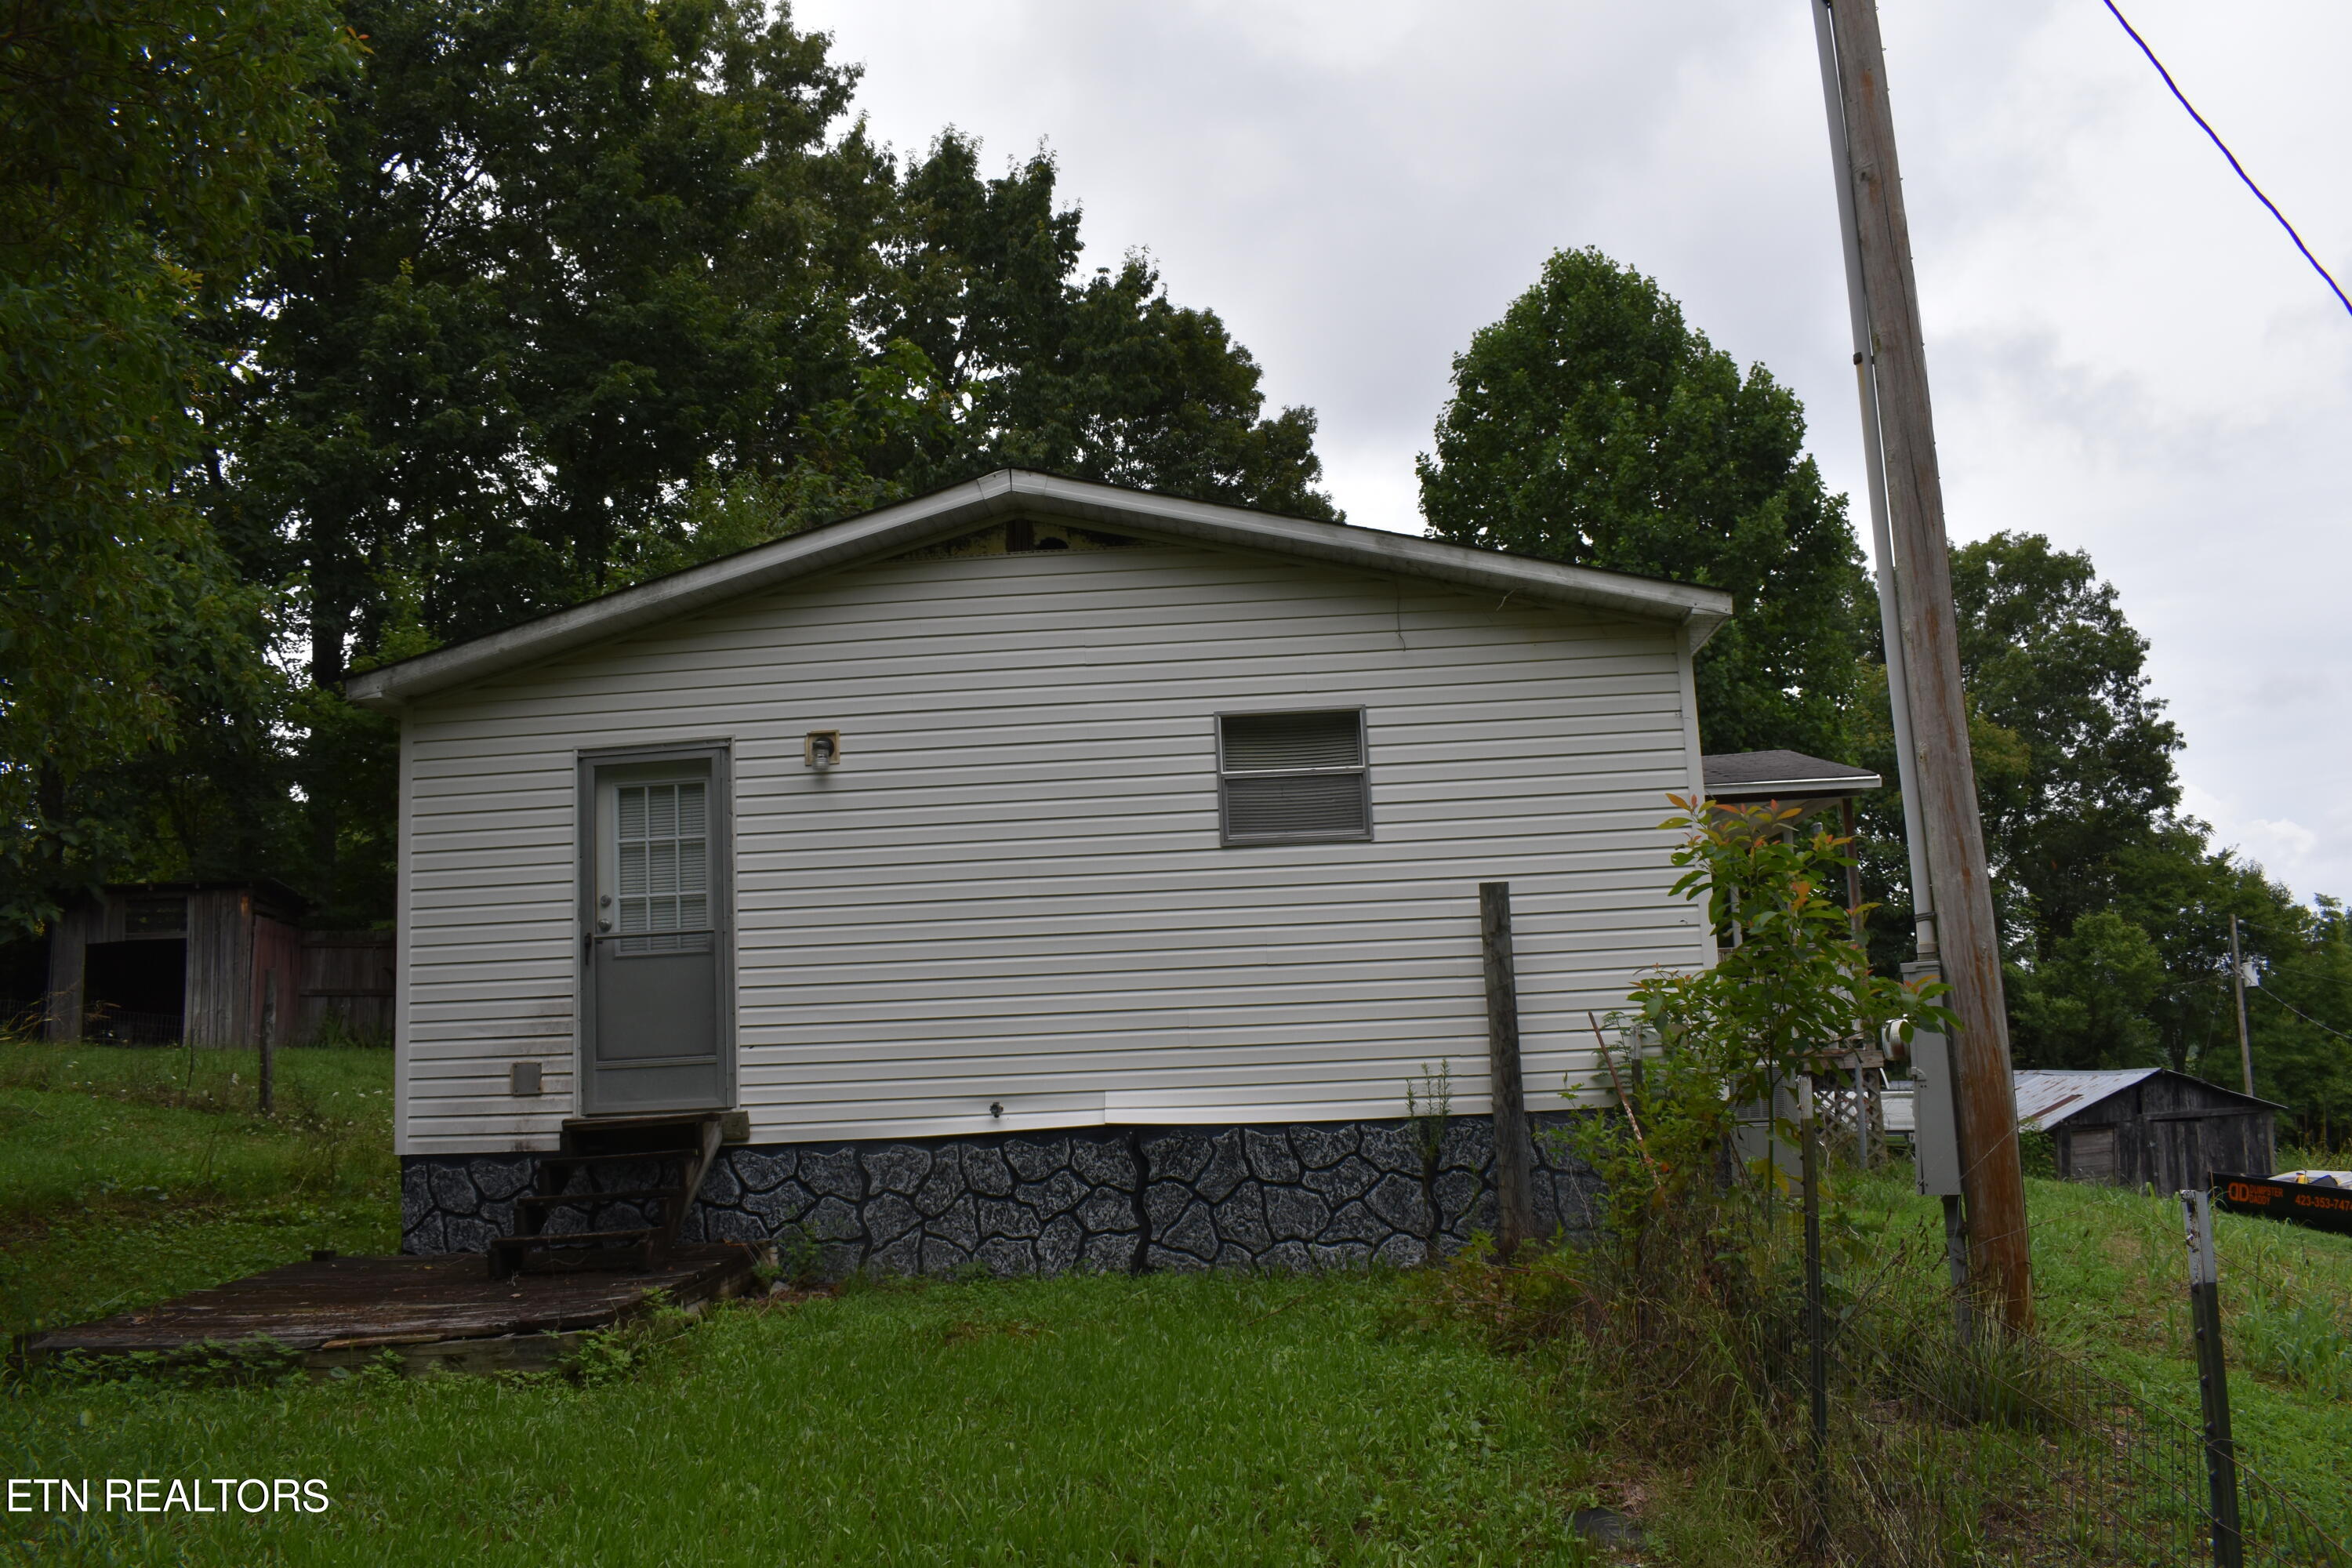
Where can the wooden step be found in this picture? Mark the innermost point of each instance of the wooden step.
(578, 1252)
(574, 1161)
(690, 1141)
(618, 1195)
(680, 1134)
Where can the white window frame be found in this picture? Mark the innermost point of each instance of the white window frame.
(1363, 771)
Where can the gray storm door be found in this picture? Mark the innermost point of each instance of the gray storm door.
(655, 891)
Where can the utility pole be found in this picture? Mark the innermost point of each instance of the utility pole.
(2238, 989)
(1940, 796)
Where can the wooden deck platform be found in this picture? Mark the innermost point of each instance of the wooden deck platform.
(438, 1314)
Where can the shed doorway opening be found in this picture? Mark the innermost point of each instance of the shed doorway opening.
(135, 992)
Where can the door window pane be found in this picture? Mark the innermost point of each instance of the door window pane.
(662, 866)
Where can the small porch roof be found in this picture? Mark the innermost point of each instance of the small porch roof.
(1792, 778)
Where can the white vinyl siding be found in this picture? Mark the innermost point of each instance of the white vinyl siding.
(1014, 889)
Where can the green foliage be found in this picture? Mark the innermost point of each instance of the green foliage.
(799, 1259)
(1592, 424)
(2302, 1023)
(632, 1346)
(137, 139)
(242, 1363)
(2048, 657)
(1789, 980)
(2306, 1343)
(582, 294)
(1428, 1108)
(2114, 908)
(2111, 1292)
(2086, 1005)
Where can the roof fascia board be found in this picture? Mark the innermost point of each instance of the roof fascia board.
(1845, 784)
(892, 528)
(910, 525)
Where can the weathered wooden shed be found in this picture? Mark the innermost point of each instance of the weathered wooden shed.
(2148, 1127)
(1033, 841)
(210, 964)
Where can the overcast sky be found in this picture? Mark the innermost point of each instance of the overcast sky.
(2127, 354)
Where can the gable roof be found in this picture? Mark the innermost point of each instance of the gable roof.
(893, 529)
(2048, 1096)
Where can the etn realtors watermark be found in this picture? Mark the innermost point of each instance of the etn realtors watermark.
(151, 1494)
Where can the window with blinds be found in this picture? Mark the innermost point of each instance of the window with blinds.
(1292, 778)
(662, 867)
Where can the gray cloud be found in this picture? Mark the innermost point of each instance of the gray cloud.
(2127, 354)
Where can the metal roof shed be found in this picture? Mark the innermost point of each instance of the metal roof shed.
(2147, 1126)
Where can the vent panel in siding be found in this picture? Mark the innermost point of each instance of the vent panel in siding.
(1293, 777)
(1313, 805)
(1262, 743)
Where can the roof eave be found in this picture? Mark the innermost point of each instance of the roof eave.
(1855, 784)
(910, 525)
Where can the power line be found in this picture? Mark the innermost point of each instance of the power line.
(2230, 155)
(2306, 1018)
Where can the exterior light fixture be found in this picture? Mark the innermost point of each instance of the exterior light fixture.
(822, 749)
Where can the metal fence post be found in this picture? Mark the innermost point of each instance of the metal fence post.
(1817, 1376)
(2214, 1380)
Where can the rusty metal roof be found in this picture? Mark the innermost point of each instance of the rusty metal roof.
(2047, 1096)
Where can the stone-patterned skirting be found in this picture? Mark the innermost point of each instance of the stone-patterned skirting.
(1307, 1196)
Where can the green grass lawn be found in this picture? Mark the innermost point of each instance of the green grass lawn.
(1162, 1419)
(1086, 1420)
(2111, 1280)
(128, 1175)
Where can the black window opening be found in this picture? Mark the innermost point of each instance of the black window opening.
(133, 992)
(1292, 778)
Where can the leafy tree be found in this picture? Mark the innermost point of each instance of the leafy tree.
(2086, 1004)
(137, 137)
(2073, 759)
(589, 291)
(552, 277)
(2301, 1026)
(568, 267)
(1592, 424)
(2115, 908)
(2048, 657)
(1105, 380)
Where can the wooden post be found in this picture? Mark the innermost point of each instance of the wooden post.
(1514, 1163)
(269, 1042)
(1967, 940)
